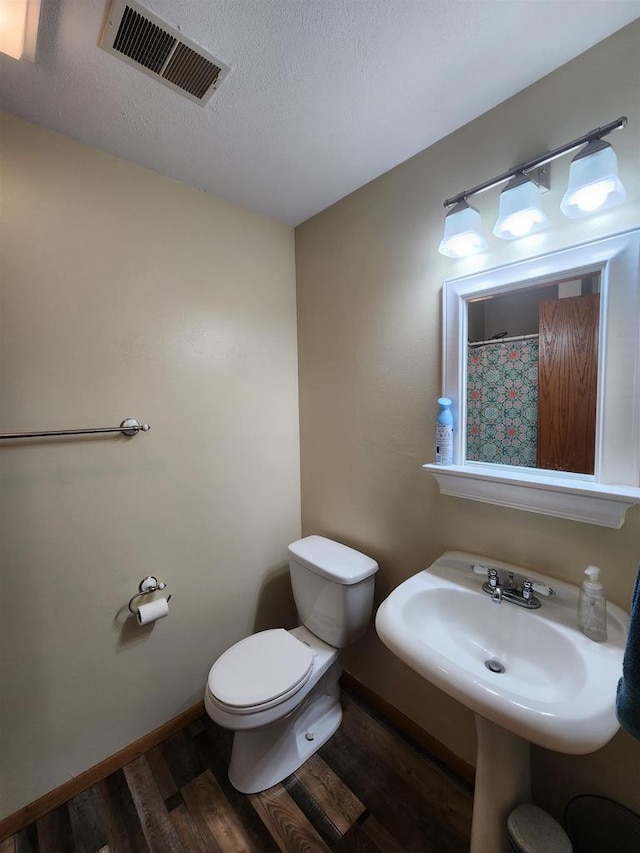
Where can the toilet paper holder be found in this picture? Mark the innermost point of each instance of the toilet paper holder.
(146, 586)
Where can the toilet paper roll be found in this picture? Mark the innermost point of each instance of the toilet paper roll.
(152, 611)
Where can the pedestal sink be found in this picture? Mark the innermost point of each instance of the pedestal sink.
(530, 676)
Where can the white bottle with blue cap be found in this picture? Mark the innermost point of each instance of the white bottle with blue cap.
(444, 433)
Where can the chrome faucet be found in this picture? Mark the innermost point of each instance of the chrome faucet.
(508, 591)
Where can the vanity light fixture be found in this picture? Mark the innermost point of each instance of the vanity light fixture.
(593, 185)
(593, 181)
(19, 28)
(520, 211)
(462, 232)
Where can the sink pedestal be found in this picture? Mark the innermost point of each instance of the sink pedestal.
(503, 781)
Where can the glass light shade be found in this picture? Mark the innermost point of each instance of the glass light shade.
(462, 232)
(520, 211)
(593, 181)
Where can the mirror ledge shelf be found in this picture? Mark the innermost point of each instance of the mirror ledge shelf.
(587, 501)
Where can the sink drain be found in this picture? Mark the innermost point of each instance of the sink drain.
(494, 665)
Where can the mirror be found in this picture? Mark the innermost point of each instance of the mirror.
(604, 411)
(531, 375)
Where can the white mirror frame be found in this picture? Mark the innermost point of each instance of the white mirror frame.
(604, 497)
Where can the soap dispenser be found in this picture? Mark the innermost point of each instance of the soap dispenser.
(592, 607)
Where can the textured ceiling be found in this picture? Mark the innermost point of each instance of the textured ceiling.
(323, 96)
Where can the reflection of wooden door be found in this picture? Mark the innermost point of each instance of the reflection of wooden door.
(567, 383)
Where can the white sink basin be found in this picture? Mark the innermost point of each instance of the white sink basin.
(558, 687)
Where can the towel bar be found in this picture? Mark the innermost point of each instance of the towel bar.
(129, 426)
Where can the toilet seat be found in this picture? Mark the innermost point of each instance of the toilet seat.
(259, 672)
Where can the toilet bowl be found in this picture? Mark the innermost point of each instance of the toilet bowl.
(275, 736)
(278, 690)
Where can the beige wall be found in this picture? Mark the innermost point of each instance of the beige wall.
(369, 278)
(125, 294)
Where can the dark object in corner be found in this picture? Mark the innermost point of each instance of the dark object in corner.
(628, 695)
(599, 825)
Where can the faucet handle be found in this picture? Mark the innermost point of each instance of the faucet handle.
(527, 589)
(494, 578)
(542, 588)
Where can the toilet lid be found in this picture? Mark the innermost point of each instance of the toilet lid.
(268, 666)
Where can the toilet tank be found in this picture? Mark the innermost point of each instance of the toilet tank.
(333, 588)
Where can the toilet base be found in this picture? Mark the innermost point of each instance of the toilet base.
(264, 757)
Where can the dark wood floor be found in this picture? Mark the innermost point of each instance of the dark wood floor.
(368, 790)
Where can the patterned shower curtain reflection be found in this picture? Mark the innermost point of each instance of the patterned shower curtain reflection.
(502, 402)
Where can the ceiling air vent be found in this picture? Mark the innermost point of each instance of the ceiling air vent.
(141, 39)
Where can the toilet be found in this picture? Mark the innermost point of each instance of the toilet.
(278, 690)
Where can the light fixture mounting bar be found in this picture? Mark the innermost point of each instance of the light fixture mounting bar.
(547, 157)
